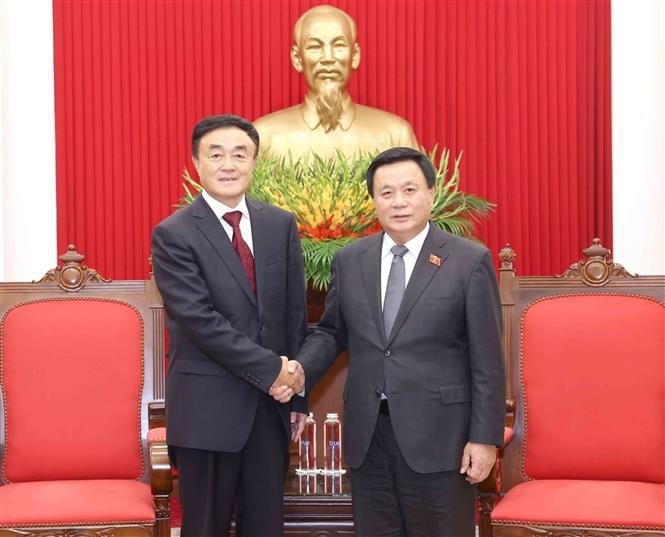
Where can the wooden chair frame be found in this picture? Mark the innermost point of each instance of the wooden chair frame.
(596, 273)
(74, 279)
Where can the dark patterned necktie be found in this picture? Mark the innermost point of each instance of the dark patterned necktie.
(241, 248)
(394, 288)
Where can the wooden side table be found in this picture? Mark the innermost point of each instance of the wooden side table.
(310, 512)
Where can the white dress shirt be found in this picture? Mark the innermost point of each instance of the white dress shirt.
(410, 257)
(220, 210)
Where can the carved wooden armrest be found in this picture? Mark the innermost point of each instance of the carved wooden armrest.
(161, 474)
(156, 414)
(492, 484)
(510, 415)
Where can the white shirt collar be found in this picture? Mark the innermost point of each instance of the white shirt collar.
(414, 245)
(221, 209)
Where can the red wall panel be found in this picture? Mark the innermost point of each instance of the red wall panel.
(522, 87)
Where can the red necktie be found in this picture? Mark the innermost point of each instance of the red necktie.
(241, 248)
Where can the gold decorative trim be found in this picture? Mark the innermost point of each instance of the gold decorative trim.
(521, 361)
(129, 529)
(542, 528)
(72, 275)
(597, 269)
(81, 525)
(3, 472)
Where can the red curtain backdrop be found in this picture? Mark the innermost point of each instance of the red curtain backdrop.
(521, 87)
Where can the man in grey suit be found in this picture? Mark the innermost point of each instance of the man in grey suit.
(231, 274)
(418, 309)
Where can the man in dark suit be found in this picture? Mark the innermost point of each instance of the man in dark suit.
(231, 274)
(419, 311)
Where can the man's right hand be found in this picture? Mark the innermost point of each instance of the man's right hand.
(289, 382)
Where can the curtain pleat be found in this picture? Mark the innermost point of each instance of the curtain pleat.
(522, 87)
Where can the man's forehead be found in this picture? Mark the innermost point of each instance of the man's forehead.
(401, 173)
(402, 180)
(229, 134)
(227, 138)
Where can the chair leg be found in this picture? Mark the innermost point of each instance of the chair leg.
(486, 503)
(162, 516)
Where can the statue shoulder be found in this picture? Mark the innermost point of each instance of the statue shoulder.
(280, 120)
(399, 128)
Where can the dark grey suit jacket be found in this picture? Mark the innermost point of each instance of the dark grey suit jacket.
(224, 342)
(441, 367)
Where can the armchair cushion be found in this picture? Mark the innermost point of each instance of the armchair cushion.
(72, 373)
(88, 502)
(581, 503)
(593, 398)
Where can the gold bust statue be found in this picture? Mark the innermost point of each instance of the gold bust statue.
(325, 51)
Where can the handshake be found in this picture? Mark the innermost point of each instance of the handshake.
(289, 382)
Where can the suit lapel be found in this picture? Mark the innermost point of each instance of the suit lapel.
(422, 275)
(260, 234)
(370, 262)
(211, 227)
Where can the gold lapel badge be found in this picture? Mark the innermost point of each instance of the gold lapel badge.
(435, 260)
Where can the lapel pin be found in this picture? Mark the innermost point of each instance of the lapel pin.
(435, 260)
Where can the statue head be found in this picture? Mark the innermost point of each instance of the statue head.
(325, 51)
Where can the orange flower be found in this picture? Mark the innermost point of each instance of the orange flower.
(330, 230)
(325, 230)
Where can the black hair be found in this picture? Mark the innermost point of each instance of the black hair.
(211, 123)
(399, 154)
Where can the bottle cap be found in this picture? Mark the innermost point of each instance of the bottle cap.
(331, 415)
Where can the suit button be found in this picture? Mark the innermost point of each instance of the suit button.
(386, 354)
(378, 393)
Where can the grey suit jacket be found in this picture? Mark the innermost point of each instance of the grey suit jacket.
(224, 342)
(441, 367)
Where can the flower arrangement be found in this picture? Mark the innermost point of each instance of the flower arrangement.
(328, 197)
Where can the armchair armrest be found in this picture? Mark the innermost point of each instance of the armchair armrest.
(161, 479)
(156, 414)
(488, 490)
(510, 414)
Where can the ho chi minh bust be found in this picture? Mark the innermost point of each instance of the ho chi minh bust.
(325, 51)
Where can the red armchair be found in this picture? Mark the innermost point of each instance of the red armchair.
(81, 363)
(585, 364)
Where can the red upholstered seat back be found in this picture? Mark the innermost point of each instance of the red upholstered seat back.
(593, 379)
(72, 378)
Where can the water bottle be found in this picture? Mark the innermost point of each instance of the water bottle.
(332, 443)
(307, 447)
(307, 483)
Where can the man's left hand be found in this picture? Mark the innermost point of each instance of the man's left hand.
(477, 461)
(297, 425)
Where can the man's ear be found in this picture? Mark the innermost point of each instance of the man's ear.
(295, 59)
(195, 161)
(355, 58)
